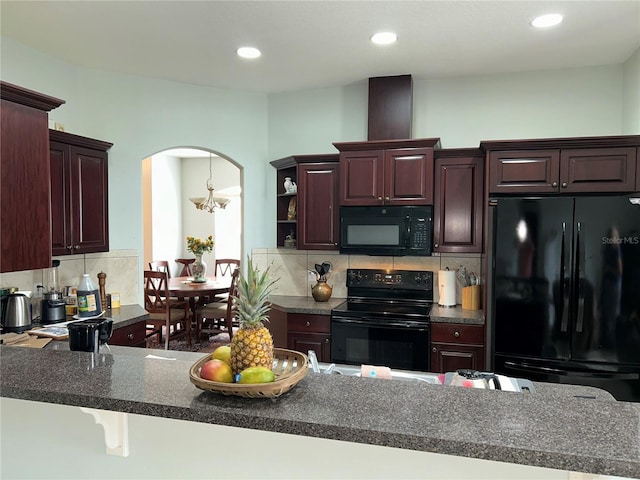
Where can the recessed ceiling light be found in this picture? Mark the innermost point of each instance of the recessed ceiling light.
(546, 21)
(384, 38)
(248, 52)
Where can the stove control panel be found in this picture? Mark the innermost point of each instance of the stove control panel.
(407, 279)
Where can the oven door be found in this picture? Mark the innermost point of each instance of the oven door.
(393, 343)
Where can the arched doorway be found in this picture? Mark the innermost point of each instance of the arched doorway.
(169, 179)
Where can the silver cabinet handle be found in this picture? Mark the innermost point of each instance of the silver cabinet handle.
(554, 184)
(326, 340)
(308, 324)
(564, 184)
(130, 336)
(434, 349)
(456, 334)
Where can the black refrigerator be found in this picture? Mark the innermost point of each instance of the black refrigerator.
(564, 300)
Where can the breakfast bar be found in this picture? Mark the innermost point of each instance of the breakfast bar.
(558, 428)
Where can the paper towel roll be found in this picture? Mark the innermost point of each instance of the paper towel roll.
(447, 288)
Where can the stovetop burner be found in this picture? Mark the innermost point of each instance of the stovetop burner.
(388, 293)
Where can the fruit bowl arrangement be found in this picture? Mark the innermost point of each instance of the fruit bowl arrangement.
(250, 366)
(289, 367)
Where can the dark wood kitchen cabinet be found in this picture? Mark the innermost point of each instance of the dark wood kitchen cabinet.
(310, 332)
(458, 202)
(387, 172)
(456, 346)
(318, 211)
(79, 194)
(133, 335)
(25, 226)
(577, 165)
(286, 203)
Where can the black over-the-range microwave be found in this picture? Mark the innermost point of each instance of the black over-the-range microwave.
(395, 231)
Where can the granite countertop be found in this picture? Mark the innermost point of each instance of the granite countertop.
(559, 426)
(292, 304)
(126, 315)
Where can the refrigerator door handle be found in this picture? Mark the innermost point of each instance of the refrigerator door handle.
(564, 293)
(526, 367)
(578, 283)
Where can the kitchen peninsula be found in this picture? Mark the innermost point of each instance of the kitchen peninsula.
(412, 429)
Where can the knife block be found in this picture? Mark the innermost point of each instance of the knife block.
(471, 297)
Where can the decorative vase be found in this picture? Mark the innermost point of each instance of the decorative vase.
(321, 291)
(199, 269)
(287, 184)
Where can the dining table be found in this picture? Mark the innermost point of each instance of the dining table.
(185, 287)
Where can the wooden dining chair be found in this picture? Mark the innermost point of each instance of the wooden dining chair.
(174, 317)
(226, 266)
(160, 266)
(186, 266)
(216, 317)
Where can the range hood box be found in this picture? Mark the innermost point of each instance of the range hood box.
(390, 107)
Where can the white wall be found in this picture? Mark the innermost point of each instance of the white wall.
(223, 224)
(631, 95)
(461, 111)
(166, 193)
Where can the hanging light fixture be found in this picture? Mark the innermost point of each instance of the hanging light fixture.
(211, 202)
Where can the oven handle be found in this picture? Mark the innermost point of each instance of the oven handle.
(421, 327)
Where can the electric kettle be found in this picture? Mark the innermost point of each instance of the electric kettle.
(16, 316)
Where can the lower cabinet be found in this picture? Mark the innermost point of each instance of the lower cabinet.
(310, 332)
(133, 335)
(456, 346)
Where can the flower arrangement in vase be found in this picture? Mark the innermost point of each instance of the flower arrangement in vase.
(197, 246)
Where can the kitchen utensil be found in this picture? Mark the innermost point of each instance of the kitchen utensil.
(16, 317)
(89, 335)
(52, 310)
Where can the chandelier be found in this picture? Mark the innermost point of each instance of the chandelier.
(210, 202)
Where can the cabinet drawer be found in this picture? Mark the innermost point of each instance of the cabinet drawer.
(300, 322)
(130, 336)
(457, 333)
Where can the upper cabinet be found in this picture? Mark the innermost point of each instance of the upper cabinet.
(310, 213)
(394, 172)
(459, 201)
(286, 202)
(580, 165)
(318, 186)
(79, 194)
(25, 227)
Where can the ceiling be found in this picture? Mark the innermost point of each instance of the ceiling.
(314, 44)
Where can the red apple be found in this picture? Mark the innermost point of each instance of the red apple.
(216, 371)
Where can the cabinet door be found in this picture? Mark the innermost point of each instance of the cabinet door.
(524, 171)
(598, 170)
(408, 176)
(458, 206)
(89, 189)
(449, 357)
(133, 335)
(24, 188)
(318, 222)
(318, 342)
(361, 177)
(61, 238)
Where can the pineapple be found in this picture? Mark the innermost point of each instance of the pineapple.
(252, 345)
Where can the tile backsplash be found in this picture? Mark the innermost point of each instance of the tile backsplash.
(291, 268)
(121, 267)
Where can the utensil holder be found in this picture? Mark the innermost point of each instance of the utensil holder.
(471, 297)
